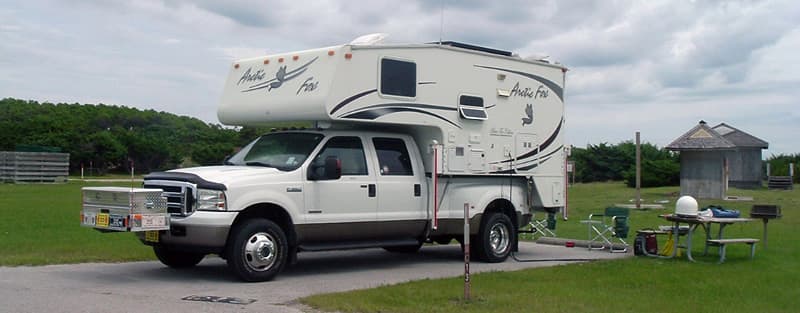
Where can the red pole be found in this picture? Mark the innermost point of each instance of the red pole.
(435, 177)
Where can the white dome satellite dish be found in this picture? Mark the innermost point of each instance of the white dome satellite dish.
(686, 206)
(370, 39)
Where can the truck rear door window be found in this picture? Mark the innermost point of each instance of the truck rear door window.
(398, 78)
(349, 151)
(471, 107)
(393, 157)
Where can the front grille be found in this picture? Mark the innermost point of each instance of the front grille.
(180, 196)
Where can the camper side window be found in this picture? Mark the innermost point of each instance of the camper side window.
(398, 78)
(471, 107)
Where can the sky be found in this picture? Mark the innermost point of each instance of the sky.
(657, 67)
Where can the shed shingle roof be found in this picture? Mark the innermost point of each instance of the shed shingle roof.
(701, 137)
(720, 137)
(739, 138)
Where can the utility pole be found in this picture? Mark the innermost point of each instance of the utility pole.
(638, 173)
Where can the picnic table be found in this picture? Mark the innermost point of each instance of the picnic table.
(706, 222)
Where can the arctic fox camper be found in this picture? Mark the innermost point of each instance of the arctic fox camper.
(404, 136)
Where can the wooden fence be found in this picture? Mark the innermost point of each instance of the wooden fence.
(33, 167)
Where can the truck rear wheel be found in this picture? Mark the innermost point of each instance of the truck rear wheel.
(258, 251)
(495, 239)
(177, 259)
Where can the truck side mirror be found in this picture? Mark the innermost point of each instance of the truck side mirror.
(331, 169)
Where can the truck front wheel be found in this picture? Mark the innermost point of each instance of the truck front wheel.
(258, 251)
(177, 259)
(495, 239)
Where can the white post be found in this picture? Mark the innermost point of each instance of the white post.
(466, 252)
(791, 169)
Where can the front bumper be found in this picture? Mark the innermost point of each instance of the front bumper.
(203, 231)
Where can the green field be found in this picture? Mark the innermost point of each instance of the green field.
(39, 224)
(767, 284)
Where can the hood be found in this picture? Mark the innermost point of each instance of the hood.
(213, 177)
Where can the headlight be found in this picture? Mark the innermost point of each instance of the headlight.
(210, 200)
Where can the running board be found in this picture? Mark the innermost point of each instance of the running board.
(356, 245)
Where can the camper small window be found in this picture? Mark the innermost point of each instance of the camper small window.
(471, 107)
(398, 78)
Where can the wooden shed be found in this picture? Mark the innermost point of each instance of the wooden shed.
(713, 158)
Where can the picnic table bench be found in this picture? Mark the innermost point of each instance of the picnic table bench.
(722, 242)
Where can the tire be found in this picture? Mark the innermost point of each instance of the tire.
(404, 249)
(495, 239)
(258, 250)
(177, 259)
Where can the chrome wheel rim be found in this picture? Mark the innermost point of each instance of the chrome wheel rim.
(260, 252)
(499, 238)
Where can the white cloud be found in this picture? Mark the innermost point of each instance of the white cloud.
(656, 66)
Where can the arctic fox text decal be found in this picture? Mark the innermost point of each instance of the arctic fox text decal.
(281, 76)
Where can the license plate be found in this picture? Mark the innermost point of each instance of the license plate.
(116, 221)
(153, 221)
(151, 236)
(101, 220)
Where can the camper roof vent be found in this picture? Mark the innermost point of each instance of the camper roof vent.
(370, 39)
(473, 47)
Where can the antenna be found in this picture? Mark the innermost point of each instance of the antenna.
(441, 21)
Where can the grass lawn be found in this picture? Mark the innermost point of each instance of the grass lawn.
(770, 283)
(40, 224)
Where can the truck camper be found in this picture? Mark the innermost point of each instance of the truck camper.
(404, 137)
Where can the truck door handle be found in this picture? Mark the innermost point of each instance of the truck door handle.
(363, 186)
(417, 190)
(371, 190)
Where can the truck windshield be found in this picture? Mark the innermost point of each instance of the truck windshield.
(284, 151)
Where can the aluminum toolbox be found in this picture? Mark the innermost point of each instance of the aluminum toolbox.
(124, 209)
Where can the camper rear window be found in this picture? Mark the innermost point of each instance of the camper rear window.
(398, 78)
(471, 107)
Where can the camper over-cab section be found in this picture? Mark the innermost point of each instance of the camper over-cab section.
(488, 112)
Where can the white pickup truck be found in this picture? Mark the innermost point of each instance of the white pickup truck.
(404, 137)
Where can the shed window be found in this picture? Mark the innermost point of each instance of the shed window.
(472, 107)
(398, 78)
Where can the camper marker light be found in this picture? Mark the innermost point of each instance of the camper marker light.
(295, 57)
(330, 52)
(266, 61)
(348, 56)
(236, 65)
(280, 60)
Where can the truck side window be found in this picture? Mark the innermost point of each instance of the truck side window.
(350, 152)
(398, 78)
(393, 157)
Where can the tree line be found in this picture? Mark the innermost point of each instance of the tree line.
(109, 138)
(605, 162)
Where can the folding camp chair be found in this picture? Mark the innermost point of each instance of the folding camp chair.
(543, 228)
(609, 229)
